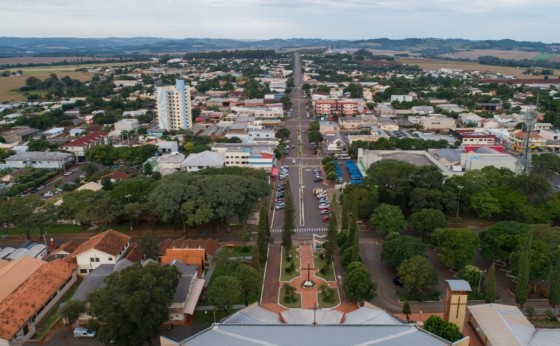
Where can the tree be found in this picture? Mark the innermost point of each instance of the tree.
(106, 183)
(18, 212)
(501, 239)
(263, 235)
(417, 274)
(71, 310)
(472, 274)
(426, 220)
(447, 330)
(456, 246)
(315, 136)
(283, 133)
(485, 204)
(554, 294)
(133, 211)
(359, 286)
(223, 292)
(522, 286)
(406, 311)
(401, 248)
(392, 178)
(149, 245)
(249, 280)
(330, 244)
(490, 292)
(147, 169)
(388, 218)
(288, 225)
(134, 303)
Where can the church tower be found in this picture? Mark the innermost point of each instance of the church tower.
(456, 297)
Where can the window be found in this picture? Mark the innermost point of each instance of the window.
(97, 259)
(92, 259)
(83, 271)
(110, 258)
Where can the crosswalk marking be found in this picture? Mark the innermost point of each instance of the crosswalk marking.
(301, 230)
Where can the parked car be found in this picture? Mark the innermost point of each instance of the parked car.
(325, 219)
(279, 206)
(397, 281)
(41, 187)
(324, 206)
(48, 194)
(325, 212)
(67, 173)
(294, 161)
(81, 332)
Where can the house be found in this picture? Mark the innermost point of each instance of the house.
(189, 251)
(170, 163)
(187, 293)
(167, 147)
(401, 98)
(40, 160)
(422, 110)
(436, 122)
(126, 125)
(105, 248)
(385, 111)
(387, 124)
(336, 142)
(116, 176)
(26, 307)
(64, 249)
(516, 138)
(470, 119)
(80, 145)
(206, 159)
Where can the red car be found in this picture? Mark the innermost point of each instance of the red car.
(325, 219)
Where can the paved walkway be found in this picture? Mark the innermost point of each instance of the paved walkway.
(272, 275)
(308, 295)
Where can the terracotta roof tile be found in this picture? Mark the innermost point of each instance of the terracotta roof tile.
(110, 242)
(68, 246)
(134, 254)
(210, 245)
(23, 303)
(16, 272)
(87, 139)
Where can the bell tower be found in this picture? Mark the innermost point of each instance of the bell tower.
(456, 297)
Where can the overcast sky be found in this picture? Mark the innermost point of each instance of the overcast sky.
(531, 20)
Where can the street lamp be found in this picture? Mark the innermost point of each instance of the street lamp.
(460, 187)
(480, 279)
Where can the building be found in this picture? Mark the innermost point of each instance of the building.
(20, 134)
(401, 98)
(24, 308)
(15, 272)
(387, 124)
(105, 248)
(456, 296)
(336, 142)
(326, 127)
(174, 106)
(486, 156)
(170, 163)
(516, 140)
(498, 324)
(252, 155)
(167, 147)
(187, 293)
(126, 125)
(206, 159)
(39, 159)
(189, 251)
(80, 145)
(434, 122)
(368, 325)
(335, 107)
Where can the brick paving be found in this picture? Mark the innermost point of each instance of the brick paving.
(272, 275)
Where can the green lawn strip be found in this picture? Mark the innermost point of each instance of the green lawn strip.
(290, 305)
(49, 230)
(331, 303)
(318, 264)
(206, 318)
(539, 323)
(284, 276)
(46, 324)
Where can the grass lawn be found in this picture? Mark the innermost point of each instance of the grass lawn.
(290, 305)
(284, 276)
(206, 318)
(545, 323)
(403, 295)
(334, 301)
(320, 263)
(46, 325)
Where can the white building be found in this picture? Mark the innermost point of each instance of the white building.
(39, 159)
(401, 98)
(174, 106)
(126, 125)
(170, 163)
(167, 147)
(246, 155)
(105, 248)
(206, 159)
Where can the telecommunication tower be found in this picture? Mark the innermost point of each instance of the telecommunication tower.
(524, 160)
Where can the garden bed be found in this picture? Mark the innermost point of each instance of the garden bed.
(426, 296)
(334, 301)
(319, 263)
(291, 304)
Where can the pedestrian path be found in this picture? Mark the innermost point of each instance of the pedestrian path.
(301, 230)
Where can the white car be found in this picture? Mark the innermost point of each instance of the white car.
(294, 161)
(68, 173)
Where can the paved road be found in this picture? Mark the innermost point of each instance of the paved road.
(308, 219)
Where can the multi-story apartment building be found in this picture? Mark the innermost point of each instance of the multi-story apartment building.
(338, 107)
(252, 155)
(174, 106)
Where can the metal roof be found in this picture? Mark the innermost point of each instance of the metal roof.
(503, 324)
(459, 285)
(253, 314)
(370, 314)
(319, 335)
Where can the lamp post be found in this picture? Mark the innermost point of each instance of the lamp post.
(480, 279)
(460, 187)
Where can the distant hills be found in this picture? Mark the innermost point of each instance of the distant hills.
(134, 46)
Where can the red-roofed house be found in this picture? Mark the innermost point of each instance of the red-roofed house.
(25, 307)
(105, 248)
(80, 145)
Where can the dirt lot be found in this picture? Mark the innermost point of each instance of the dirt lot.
(431, 64)
(502, 54)
(9, 84)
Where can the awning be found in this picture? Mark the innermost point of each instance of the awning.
(194, 295)
(274, 171)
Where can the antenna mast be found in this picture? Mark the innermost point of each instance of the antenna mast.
(524, 161)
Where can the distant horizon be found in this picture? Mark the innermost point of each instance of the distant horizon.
(275, 38)
(521, 20)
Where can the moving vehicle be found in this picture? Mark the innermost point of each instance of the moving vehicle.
(81, 332)
(294, 161)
